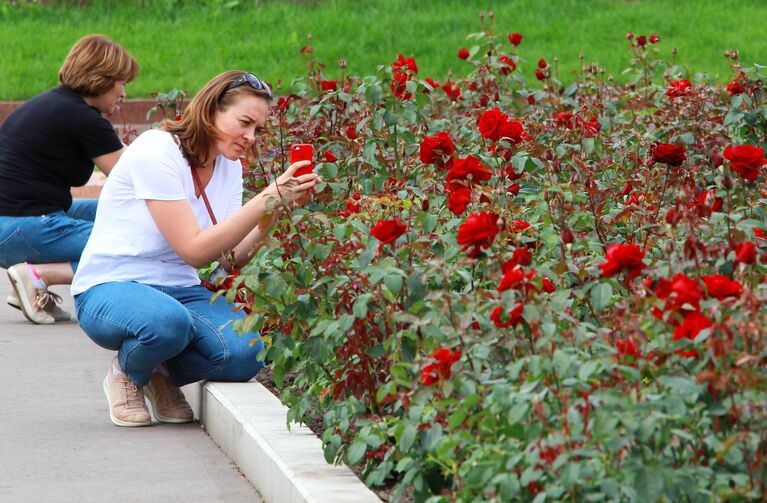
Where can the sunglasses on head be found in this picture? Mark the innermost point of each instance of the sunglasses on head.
(252, 81)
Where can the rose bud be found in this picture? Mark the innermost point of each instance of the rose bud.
(727, 182)
(567, 235)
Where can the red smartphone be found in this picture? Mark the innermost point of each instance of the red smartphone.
(302, 152)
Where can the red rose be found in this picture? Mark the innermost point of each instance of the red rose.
(591, 127)
(511, 130)
(683, 293)
(641, 41)
(330, 156)
(437, 149)
(565, 119)
(627, 347)
(542, 63)
(693, 324)
(720, 286)
(508, 64)
(745, 253)
(433, 83)
(351, 133)
(745, 160)
(760, 233)
(735, 87)
(505, 320)
(387, 231)
(518, 225)
(522, 255)
(490, 121)
(666, 153)
(458, 199)
(654, 39)
(451, 90)
(463, 53)
(678, 88)
(515, 38)
(329, 85)
(514, 278)
(623, 257)
(439, 369)
(405, 65)
(470, 169)
(399, 86)
(530, 99)
(352, 207)
(477, 232)
(540, 74)
(548, 285)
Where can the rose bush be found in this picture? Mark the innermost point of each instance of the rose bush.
(525, 291)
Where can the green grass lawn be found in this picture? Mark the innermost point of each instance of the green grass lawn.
(184, 43)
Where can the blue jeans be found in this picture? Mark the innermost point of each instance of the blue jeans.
(150, 325)
(45, 239)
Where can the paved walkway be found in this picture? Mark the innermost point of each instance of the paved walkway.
(57, 443)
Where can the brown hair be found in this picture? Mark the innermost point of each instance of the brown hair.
(196, 129)
(94, 64)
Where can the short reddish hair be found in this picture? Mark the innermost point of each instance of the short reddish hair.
(94, 64)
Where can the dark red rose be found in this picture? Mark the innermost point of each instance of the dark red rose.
(745, 252)
(490, 121)
(515, 38)
(735, 87)
(677, 88)
(720, 286)
(667, 153)
(746, 160)
(548, 285)
(693, 324)
(654, 39)
(458, 200)
(542, 63)
(387, 231)
(511, 130)
(683, 293)
(522, 256)
(399, 86)
(477, 232)
(591, 127)
(470, 169)
(540, 74)
(514, 188)
(405, 65)
(518, 225)
(439, 369)
(451, 90)
(437, 149)
(330, 156)
(329, 85)
(565, 119)
(530, 99)
(351, 133)
(641, 41)
(627, 347)
(514, 278)
(503, 319)
(433, 83)
(508, 64)
(623, 258)
(352, 207)
(463, 53)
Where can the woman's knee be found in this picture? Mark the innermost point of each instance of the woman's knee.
(172, 330)
(243, 363)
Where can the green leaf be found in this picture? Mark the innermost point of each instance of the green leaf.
(408, 437)
(356, 452)
(601, 294)
(648, 484)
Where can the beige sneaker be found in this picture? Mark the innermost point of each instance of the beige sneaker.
(32, 300)
(126, 401)
(168, 402)
(50, 306)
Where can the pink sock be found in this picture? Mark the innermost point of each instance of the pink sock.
(37, 281)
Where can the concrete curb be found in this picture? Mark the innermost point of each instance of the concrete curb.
(249, 424)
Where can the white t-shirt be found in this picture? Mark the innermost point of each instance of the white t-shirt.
(125, 244)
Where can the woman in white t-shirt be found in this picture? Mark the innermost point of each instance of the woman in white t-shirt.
(136, 289)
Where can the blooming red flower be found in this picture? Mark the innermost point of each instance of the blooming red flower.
(591, 127)
(627, 347)
(329, 85)
(667, 153)
(507, 64)
(565, 119)
(521, 255)
(451, 90)
(330, 156)
(693, 324)
(511, 130)
(405, 65)
(677, 88)
(514, 278)
(735, 87)
(518, 225)
(720, 286)
(463, 53)
(470, 169)
(746, 160)
(477, 232)
(351, 133)
(387, 231)
(399, 86)
(745, 252)
(641, 41)
(433, 83)
(458, 199)
(490, 121)
(654, 39)
(352, 207)
(515, 38)
(503, 319)
(682, 292)
(437, 149)
(623, 258)
(440, 368)
(760, 233)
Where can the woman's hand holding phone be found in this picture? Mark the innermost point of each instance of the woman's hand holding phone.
(296, 183)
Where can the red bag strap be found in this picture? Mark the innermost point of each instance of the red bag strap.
(198, 184)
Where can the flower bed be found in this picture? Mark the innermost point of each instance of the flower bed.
(525, 291)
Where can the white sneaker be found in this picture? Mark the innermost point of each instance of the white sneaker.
(32, 300)
(50, 307)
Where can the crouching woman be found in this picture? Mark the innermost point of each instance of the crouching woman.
(172, 204)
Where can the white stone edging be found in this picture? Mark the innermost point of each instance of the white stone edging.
(249, 424)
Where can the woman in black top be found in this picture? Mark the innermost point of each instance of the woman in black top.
(47, 146)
